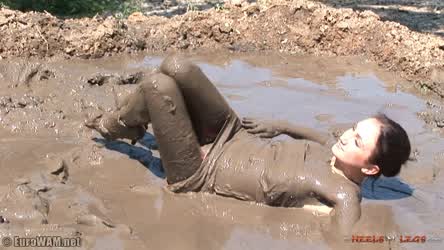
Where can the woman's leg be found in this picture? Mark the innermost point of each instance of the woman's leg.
(129, 121)
(158, 100)
(207, 107)
(178, 145)
(186, 111)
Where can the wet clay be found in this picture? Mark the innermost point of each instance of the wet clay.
(239, 165)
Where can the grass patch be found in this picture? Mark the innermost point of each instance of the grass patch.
(76, 8)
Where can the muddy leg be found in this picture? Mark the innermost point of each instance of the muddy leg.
(172, 126)
(207, 107)
(112, 128)
(134, 111)
(129, 121)
(158, 100)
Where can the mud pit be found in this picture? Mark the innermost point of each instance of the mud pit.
(60, 178)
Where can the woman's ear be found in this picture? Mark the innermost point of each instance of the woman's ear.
(371, 170)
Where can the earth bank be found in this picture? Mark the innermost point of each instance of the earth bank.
(290, 27)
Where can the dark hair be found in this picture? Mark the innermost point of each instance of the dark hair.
(392, 147)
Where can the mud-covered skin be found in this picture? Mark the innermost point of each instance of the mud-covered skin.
(187, 111)
(111, 127)
(270, 129)
(206, 107)
(197, 90)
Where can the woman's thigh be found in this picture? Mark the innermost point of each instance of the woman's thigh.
(172, 127)
(207, 107)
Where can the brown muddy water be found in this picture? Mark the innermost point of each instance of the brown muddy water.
(60, 178)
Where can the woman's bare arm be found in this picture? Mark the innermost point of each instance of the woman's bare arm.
(301, 132)
(270, 129)
(346, 206)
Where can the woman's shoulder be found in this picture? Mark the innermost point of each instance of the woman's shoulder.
(325, 181)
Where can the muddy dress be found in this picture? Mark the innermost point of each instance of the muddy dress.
(275, 172)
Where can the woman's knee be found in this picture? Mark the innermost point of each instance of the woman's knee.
(178, 68)
(159, 83)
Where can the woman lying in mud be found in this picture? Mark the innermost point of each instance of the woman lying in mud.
(189, 115)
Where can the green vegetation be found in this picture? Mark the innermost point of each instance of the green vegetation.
(75, 8)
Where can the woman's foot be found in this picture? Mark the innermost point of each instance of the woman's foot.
(111, 128)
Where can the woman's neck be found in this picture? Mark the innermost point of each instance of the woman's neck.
(353, 174)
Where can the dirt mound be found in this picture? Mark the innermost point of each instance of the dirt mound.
(418, 15)
(41, 34)
(293, 27)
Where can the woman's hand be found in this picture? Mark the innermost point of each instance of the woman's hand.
(262, 128)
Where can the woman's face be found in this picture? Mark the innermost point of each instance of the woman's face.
(356, 145)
